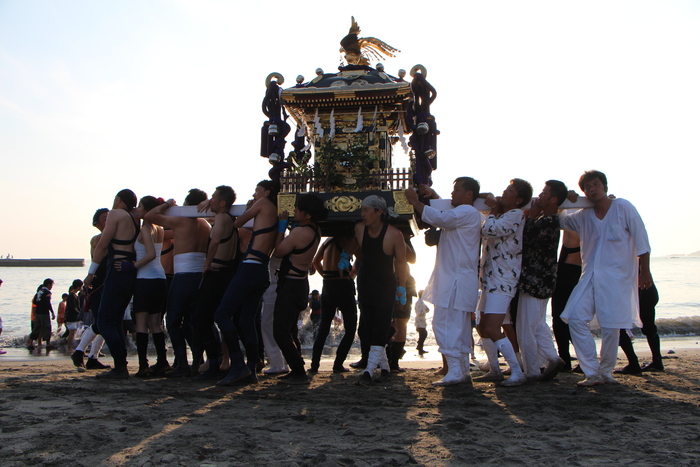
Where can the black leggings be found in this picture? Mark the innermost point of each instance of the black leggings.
(567, 278)
(337, 294)
(292, 299)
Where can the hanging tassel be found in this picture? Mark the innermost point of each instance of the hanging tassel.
(302, 132)
(317, 125)
(360, 124)
(331, 135)
(402, 138)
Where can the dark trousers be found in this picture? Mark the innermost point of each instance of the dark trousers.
(647, 314)
(422, 335)
(236, 314)
(337, 294)
(182, 298)
(567, 278)
(377, 305)
(292, 299)
(117, 292)
(204, 336)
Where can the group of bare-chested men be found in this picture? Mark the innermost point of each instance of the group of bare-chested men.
(214, 294)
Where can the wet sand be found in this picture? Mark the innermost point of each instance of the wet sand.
(52, 415)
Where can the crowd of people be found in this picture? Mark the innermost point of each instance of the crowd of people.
(232, 288)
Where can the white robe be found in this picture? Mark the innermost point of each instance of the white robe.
(609, 249)
(457, 263)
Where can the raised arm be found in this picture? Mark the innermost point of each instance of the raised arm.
(157, 216)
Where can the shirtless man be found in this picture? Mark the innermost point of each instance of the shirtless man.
(239, 306)
(219, 269)
(92, 333)
(190, 246)
(338, 293)
(297, 251)
(117, 244)
(381, 281)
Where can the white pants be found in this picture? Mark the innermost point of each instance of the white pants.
(272, 350)
(453, 330)
(580, 320)
(534, 336)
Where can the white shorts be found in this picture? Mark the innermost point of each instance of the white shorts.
(494, 303)
(73, 325)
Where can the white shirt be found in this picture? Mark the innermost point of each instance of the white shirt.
(456, 272)
(609, 249)
(421, 310)
(503, 252)
(152, 270)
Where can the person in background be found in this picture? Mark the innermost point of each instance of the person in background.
(421, 324)
(568, 274)
(338, 294)
(2, 352)
(42, 322)
(72, 312)
(315, 305)
(94, 297)
(61, 313)
(648, 298)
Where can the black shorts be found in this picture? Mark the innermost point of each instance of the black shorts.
(149, 296)
(403, 311)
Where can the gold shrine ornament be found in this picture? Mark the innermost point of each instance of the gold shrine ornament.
(286, 202)
(401, 204)
(343, 204)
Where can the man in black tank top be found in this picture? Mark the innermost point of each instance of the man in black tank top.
(297, 251)
(379, 286)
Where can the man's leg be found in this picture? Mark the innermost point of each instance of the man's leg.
(272, 350)
(529, 311)
(648, 298)
(348, 308)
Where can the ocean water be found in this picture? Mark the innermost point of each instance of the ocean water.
(677, 279)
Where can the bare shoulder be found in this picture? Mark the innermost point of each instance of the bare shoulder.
(395, 233)
(115, 215)
(95, 240)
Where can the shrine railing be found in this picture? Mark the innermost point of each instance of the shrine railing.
(393, 179)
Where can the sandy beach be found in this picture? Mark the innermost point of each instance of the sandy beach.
(52, 415)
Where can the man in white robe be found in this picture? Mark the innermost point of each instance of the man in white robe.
(454, 284)
(613, 242)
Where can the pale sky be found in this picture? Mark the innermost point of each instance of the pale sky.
(164, 96)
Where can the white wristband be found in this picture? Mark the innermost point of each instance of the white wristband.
(93, 267)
